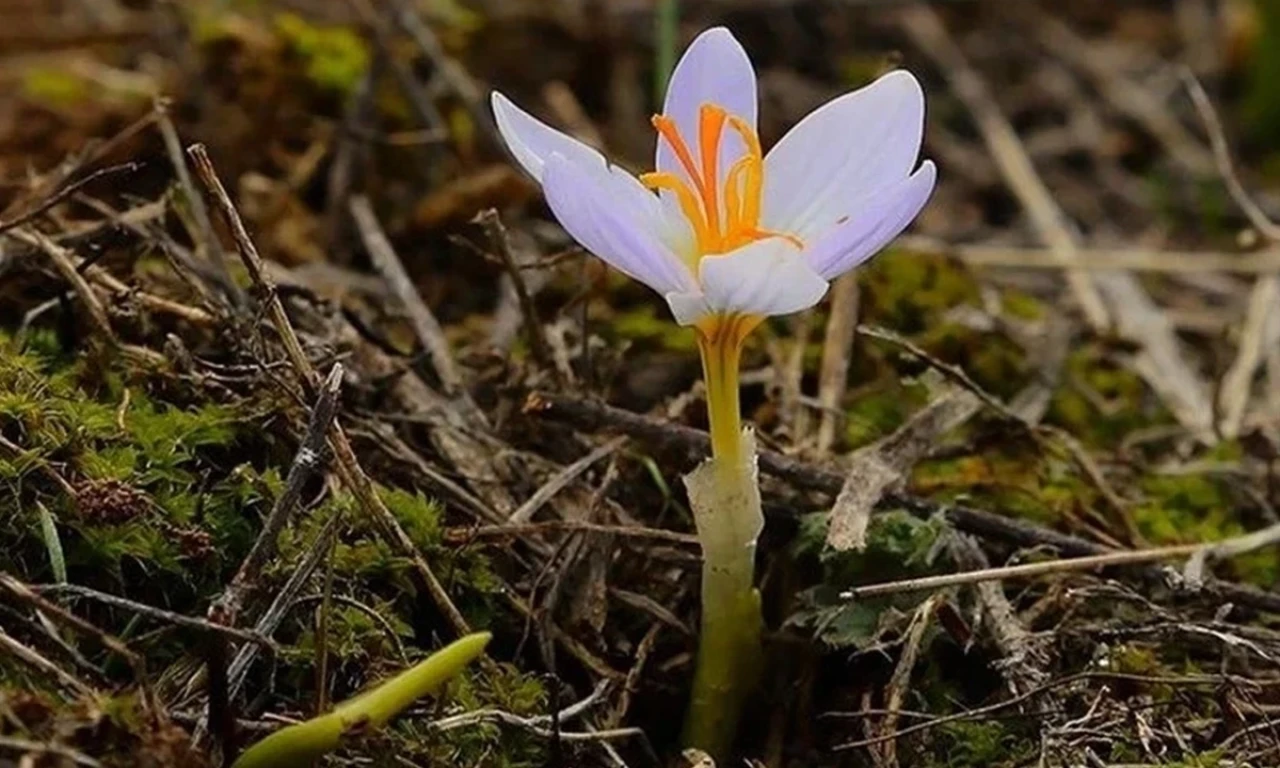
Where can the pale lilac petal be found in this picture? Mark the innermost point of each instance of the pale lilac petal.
(532, 141)
(856, 144)
(714, 70)
(882, 217)
(767, 277)
(688, 308)
(612, 215)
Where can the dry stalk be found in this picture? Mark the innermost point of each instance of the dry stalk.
(1160, 361)
(589, 414)
(1238, 381)
(424, 323)
(349, 470)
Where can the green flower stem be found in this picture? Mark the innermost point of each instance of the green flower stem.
(725, 498)
(666, 23)
(298, 746)
(729, 655)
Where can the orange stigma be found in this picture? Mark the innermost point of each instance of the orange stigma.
(723, 218)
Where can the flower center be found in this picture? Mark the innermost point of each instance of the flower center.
(723, 218)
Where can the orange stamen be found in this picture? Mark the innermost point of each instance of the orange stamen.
(711, 120)
(701, 198)
(666, 127)
(688, 204)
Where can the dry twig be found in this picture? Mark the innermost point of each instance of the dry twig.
(425, 324)
(353, 476)
(1023, 571)
(979, 712)
(1124, 95)
(1238, 381)
(160, 614)
(36, 659)
(895, 691)
(65, 192)
(592, 415)
(837, 349)
(28, 747)
(501, 245)
(309, 460)
(1135, 259)
(562, 478)
(883, 465)
(1160, 361)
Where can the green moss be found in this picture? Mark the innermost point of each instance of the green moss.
(910, 292)
(168, 493)
(131, 464)
(358, 644)
(643, 325)
(502, 686)
(419, 515)
(1022, 306)
(1101, 402)
(981, 744)
(993, 360)
(54, 87)
(1011, 479)
(453, 17)
(1200, 508)
(1135, 660)
(43, 407)
(878, 413)
(335, 57)
(363, 556)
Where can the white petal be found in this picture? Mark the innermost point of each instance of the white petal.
(714, 70)
(767, 277)
(878, 220)
(612, 215)
(851, 146)
(532, 141)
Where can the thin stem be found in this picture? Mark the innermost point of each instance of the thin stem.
(729, 654)
(720, 366)
(666, 20)
(726, 505)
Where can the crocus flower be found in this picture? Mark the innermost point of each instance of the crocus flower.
(730, 236)
(720, 229)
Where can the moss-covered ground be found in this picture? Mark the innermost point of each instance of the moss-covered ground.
(150, 411)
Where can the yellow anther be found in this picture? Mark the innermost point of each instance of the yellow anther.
(732, 195)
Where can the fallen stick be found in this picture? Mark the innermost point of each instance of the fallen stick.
(1087, 563)
(349, 470)
(591, 415)
(1108, 298)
